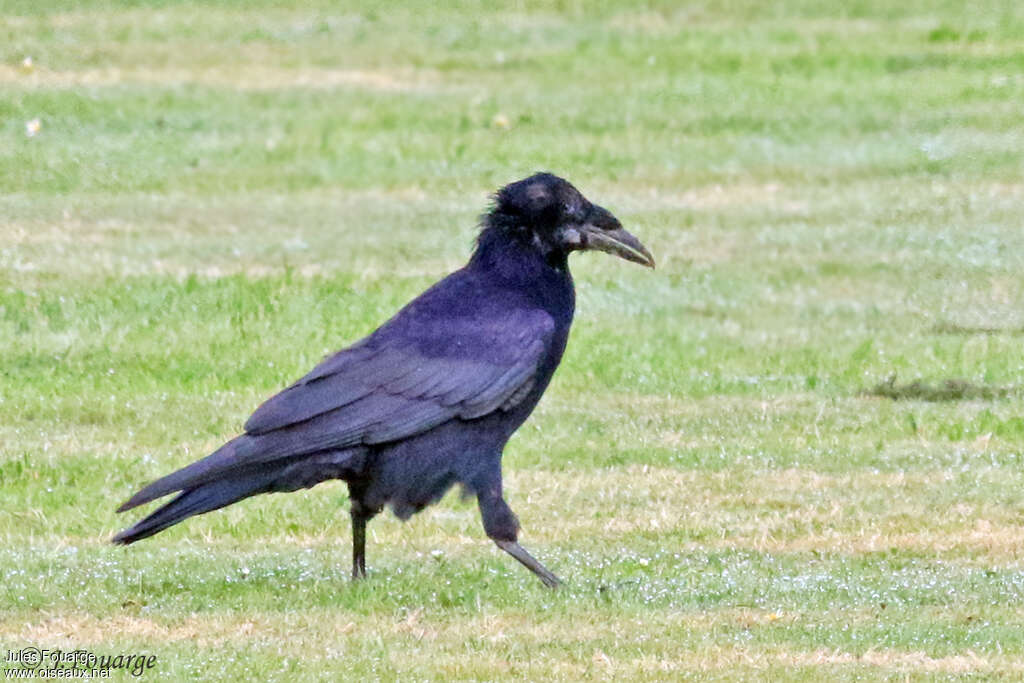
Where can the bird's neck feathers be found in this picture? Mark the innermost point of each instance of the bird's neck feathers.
(516, 266)
(511, 250)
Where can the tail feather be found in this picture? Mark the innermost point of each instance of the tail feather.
(195, 501)
(222, 488)
(192, 476)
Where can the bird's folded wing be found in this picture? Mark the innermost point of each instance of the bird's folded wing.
(386, 389)
(392, 385)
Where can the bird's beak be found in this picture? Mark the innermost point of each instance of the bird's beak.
(603, 232)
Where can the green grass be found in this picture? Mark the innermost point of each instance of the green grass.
(219, 194)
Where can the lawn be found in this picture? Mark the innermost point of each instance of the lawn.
(795, 451)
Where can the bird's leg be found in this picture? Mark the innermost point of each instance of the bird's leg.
(502, 527)
(358, 546)
(360, 515)
(530, 562)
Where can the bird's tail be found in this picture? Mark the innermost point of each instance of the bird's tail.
(205, 487)
(203, 498)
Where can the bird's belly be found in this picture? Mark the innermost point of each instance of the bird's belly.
(411, 474)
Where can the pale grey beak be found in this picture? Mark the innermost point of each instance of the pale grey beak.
(603, 232)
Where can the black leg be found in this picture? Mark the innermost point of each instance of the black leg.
(358, 542)
(361, 514)
(502, 527)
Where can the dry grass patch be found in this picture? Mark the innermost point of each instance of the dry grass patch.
(770, 511)
(502, 641)
(241, 77)
(710, 198)
(898, 661)
(718, 659)
(322, 627)
(782, 511)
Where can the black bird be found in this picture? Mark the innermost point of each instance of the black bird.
(429, 399)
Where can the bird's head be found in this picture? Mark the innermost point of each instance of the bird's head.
(551, 214)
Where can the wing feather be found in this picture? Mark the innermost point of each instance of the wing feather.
(462, 350)
(389, 388)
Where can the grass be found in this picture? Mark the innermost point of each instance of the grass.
(219, 194)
